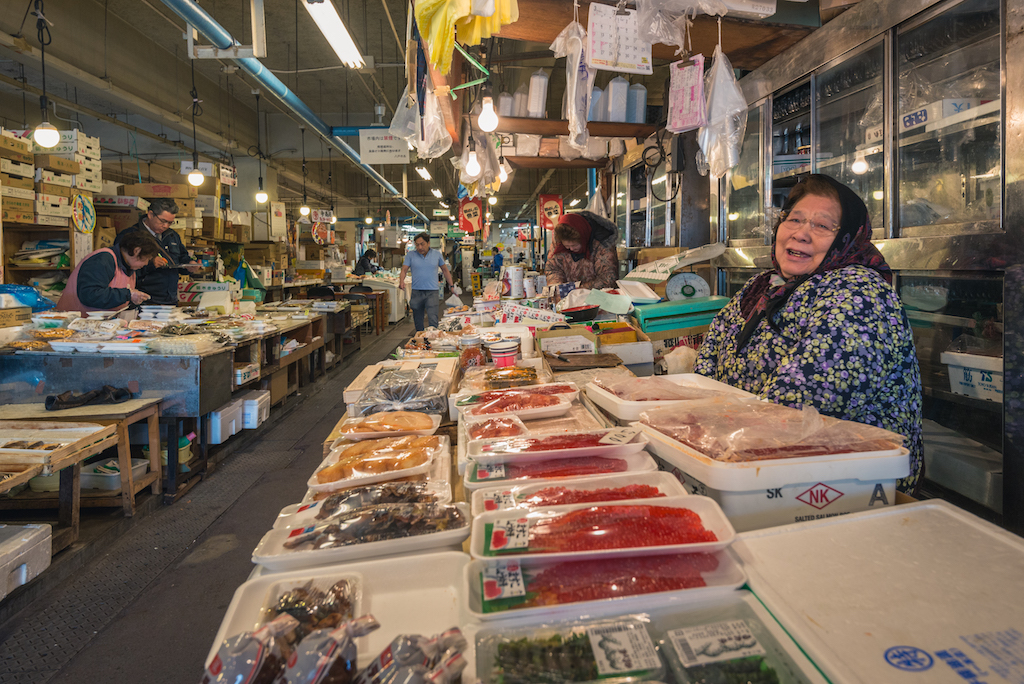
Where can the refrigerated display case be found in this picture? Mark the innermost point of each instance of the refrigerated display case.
(920, 109)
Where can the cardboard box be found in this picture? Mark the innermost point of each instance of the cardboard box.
(14, 168)
(83, 183)
(20, 193)
(213, 228)
(316, 274)
(56, 200)
(664, 341)
(122, 219)
(185, 223)
(244, 234)
(52, 162)
(17, 204)
(16, 149)
(186, 208)
(18, 216)
(562, 341)
(637, 356)
(18, 315)
(51, 209)
(103, 236)
(51, 220)
(53, 177)
(613, 332)
(210, 186)
(123, 201)
(77, 144)
(17, 181)
(159, 190)
(50, 189)
(208, 203)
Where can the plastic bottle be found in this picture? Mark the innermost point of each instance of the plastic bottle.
(537, 104)
(596, 98)
(636, 104)
(519, 101)
(505, 105)
(617, 96)
(185, 440)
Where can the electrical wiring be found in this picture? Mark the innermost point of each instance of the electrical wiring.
(653, 157)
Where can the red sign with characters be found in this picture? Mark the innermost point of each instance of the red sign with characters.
(549, 211)
(471, 214)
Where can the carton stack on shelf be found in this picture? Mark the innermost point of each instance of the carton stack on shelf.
(17, 170)
(83, 149)
(188, 222)
(56, 174)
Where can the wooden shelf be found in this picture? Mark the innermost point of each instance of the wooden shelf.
(553, 127)
(38, 268)
(555, 163)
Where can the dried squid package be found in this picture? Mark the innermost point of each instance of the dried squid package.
(328, 656)
(411, 650)
(358, 498)
(252, 657)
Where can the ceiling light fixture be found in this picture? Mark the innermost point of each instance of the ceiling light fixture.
(502, 172)
(859, 165)
(488, 119)
(380, 227)
(444, 205)
(326, 17)
(574, 202)
(492, 200)
(424, 174)
(436, 193)
(369, 220)
(195, 177)
(45, 135)
(472, 164)
(261, 194)
(304, 209)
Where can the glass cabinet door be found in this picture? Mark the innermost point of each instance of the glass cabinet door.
(662, 193)
(948, 122)
(791, 140)
(848, 140)
(621, 206)
(744, 186)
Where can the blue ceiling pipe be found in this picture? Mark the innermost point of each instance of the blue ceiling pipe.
(196, 16)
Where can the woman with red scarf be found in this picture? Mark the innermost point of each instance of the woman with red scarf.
(824, 327)
(582, 253)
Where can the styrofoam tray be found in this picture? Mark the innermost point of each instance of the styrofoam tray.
(420, 594)
(511, 496)
(332, 458)
(477, 449)
(560, 409)
(710, 513)
(63, 346)
(631, 410)
(777, 472)
(888, 562)
(302, 514)
(635, 463)
(438, 476)
(456, 398)
(723, 581)
(359, 436)
(271, 554)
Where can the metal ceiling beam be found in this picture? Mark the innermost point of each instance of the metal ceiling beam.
(540, 186)
(196, 16)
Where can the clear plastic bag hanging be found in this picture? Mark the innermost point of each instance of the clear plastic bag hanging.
(722, 138)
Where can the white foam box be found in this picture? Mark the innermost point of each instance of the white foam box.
(20, 169)
(770, 492)
(47, 176)
(20, 193)
(255, 408)
(933, 111)
(55, 200)
(187, 223)
(53, 209)
(224, 422)
(93, 480)
(974, 375)
(24, 553)
(46, 220)
(210, 204)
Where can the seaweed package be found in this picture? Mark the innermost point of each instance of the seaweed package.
(411, 650)
(328, 656)
(618, 650)
(252, 657)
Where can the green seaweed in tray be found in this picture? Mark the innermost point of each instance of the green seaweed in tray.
(551, 660)
(752, 670)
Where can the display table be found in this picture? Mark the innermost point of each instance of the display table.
(118, 415)
(398, 296)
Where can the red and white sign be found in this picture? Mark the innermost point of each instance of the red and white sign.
(819, 496)
(471, 214)
(549, 211)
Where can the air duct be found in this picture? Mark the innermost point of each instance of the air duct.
(196, 16)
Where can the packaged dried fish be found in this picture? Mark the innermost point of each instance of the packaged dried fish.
(252, 657)
(411, 650)
(328, 656)
(316, 607)
(377, 524)
(352, 500)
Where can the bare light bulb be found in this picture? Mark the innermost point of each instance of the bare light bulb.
(334, 219)
(859, 166)
(262, 197)
(369, 220)
(195, 178)
(502, 173)
(304, 210)
(492, 200)
(380, 227)
(488, 119)
(473, 165)
(45, 135)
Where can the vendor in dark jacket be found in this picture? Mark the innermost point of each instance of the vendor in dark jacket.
(160, 279)
(364, 266)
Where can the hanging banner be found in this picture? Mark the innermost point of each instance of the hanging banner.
(549, 211)
(471, 214)
(377, 146)
(321, 215)
(228, 175)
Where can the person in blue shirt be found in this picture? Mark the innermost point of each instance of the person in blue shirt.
(424, 264)
(497, 261)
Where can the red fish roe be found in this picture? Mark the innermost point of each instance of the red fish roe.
(618, 527)
(564, 467)
(557, 496)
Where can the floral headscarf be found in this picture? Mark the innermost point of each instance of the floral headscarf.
(851, 246)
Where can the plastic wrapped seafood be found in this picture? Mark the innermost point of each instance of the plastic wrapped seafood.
(558, 495)
(374, 457)
(559, 467)
(390, 421)
(653, 388)
(490, 395)
(367, 496)
(739, 429)
(377, 524)
(514, 401)
(328, 656)
(404, 389)
(252, 657)
(315, 606)
(414, 650)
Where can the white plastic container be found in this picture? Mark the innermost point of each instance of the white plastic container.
(332, 458)
(636, 104)
(711, 517)
(974, 375)
(505, 105)
(255, 408)
(536, 107)
(224, 422)
(520, 101)
(596, 105)
(359, 436)
(758, 494)
(92, 480)
(24, 553)
(477, 476)
(483, 451)
(617, 96)
(630, 410)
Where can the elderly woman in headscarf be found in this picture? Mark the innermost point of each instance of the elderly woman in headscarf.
(824, 327)
(583, 252)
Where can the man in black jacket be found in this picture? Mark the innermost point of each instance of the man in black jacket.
(160, 278)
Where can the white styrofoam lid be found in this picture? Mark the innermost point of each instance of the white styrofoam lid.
(903, 594)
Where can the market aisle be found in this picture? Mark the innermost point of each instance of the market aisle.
(148, 610)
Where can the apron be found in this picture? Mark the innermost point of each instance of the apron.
(69, 298)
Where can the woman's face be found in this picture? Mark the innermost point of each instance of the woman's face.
(574, 246)
(806, 234)
(134, 261)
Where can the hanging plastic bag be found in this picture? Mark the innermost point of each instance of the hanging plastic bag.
(657, 26)
(405, 124)
(579, 80)
(722, 137)
(436, 138)
(597, 205)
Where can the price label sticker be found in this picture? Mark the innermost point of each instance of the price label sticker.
(622, 648)
(499, 501)
(300, 531)
(491, 471)
(307, 507)
(621, 436)
(715, 642)
(513, 533)
(503, 580)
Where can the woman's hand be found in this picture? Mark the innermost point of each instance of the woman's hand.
(138, 296)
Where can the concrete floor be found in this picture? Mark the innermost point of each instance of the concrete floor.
(148, 609)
